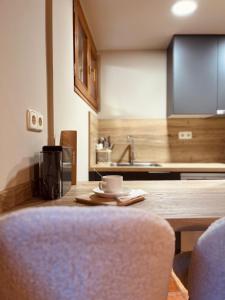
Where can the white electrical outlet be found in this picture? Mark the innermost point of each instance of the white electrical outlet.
(31, 120)
(185, 135)
(40, 124)
(34, 120)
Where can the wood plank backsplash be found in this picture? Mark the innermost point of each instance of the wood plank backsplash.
(15, 195)
(157, 140)
(93, 137)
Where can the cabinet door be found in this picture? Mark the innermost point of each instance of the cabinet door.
(81, 58)
(221, 73)
(93, 96)
(85, 55)
(195, 75)
(81, 50)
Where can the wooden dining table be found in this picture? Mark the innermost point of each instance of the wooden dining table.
(188, 205)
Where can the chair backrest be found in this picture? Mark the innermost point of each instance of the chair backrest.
(101, 253)
(207, 268)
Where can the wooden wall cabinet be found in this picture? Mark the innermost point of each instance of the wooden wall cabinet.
(85, 59)
(196, 75)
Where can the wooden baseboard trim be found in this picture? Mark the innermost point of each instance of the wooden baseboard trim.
(16, 195)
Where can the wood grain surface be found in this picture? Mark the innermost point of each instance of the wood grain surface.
(186, 205)
(165, 167)
(157, 140)
(13, 196)
(93, 138)
(176, 289)
(92, 199)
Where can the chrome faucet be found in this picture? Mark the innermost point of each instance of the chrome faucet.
(130, 139)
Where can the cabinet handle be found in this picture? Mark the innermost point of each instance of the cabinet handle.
(94, 75)
(92, 71)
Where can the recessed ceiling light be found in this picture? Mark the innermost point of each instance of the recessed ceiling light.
(184, 7)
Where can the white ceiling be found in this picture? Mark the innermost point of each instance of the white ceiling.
(148, 24)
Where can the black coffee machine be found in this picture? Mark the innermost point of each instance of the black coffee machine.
(55, 171)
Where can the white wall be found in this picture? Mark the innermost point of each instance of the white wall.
(133, 84)
(70, 111)
(22, 86)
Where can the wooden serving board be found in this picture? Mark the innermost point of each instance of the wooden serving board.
(92, 199)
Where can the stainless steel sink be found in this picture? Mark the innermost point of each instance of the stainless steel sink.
(135, 164)
(121, 164)
(146, 164)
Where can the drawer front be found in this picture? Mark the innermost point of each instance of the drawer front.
(132, 176)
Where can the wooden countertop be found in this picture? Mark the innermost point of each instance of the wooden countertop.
(186, 204)
(165, 167)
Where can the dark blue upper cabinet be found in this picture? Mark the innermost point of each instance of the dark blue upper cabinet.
(192, 66)
(221, 73)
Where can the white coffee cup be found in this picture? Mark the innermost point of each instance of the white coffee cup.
(111, 184)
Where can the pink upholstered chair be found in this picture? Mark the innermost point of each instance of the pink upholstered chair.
(64, 253)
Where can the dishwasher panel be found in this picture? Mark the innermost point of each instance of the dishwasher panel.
(202, 176)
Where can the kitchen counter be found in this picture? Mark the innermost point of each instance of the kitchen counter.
(185, 204)
(164, 167)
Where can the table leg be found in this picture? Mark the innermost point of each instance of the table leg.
(178, 242)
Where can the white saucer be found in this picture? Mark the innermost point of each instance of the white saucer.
(100, 193)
